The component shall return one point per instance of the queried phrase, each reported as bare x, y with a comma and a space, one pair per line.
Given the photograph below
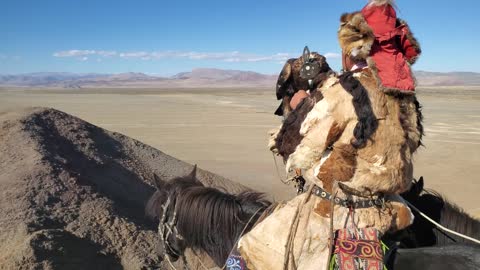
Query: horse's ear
283, 79
417, 187
158, 182
420, 184
193, 173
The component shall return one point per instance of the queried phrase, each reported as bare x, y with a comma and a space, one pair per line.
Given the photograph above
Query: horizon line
193, 69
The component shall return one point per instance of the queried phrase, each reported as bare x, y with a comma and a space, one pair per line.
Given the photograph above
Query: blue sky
167, 37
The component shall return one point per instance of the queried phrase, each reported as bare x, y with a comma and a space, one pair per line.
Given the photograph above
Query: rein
442, 227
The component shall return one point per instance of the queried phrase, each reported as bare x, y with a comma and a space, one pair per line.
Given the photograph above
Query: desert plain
225, 131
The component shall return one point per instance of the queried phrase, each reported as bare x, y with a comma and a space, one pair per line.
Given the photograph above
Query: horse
452, 257
422, 233
209, 220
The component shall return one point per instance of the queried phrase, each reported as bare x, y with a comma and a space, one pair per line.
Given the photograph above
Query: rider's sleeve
409, 44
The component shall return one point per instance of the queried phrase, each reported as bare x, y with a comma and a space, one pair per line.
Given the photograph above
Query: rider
393, 50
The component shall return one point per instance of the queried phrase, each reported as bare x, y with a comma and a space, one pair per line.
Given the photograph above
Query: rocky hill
72, 195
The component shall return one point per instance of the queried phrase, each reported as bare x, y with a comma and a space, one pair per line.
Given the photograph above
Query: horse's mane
453, 217
207, 218
210, 220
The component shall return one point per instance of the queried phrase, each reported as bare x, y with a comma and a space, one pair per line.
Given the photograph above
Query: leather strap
379, 201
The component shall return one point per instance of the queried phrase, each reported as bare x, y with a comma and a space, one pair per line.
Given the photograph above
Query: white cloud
73, 53
233, 56
80, 53
106, 53
10, 57
332, 55
134, 54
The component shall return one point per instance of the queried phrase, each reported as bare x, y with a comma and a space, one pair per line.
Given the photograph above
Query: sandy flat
225, 131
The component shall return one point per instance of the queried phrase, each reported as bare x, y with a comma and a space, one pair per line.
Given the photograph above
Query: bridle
168, 227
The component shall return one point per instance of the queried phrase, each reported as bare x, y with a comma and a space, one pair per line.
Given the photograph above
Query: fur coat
348, 132
376, 36
359, 135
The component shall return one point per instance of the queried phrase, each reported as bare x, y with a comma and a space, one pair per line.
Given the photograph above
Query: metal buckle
379, 201
349, 203
299, 183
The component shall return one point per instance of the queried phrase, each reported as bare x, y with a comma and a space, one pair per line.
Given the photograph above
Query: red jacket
392, 50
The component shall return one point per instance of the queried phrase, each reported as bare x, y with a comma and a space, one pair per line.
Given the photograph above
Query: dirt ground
225, 131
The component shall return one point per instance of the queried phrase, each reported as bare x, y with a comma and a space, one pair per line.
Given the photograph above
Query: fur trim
411, 118
419, 114
355, 36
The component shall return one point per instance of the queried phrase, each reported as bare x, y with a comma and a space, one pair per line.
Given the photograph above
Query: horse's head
416, 189
162, 206
306, 72
203, 218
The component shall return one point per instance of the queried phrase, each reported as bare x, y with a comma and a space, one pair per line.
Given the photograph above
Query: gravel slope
72, 194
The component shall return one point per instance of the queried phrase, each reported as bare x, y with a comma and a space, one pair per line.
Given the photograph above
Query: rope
170, 263
243, 231
441, 227
293, 230
201, 262
331, 232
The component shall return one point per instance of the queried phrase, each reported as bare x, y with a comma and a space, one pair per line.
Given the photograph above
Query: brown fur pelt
383, 131
367, 121
289, 136
289, 80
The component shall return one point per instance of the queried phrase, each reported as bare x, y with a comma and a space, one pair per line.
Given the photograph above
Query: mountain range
197, 78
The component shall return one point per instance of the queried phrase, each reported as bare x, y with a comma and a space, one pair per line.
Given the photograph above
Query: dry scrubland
224, 131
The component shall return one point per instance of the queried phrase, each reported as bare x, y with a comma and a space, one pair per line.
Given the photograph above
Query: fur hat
355, 36
381, 2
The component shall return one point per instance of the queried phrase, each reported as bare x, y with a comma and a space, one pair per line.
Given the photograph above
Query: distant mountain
211, 77
74, 80
221, 74
42, 78
197, 78
426, 78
